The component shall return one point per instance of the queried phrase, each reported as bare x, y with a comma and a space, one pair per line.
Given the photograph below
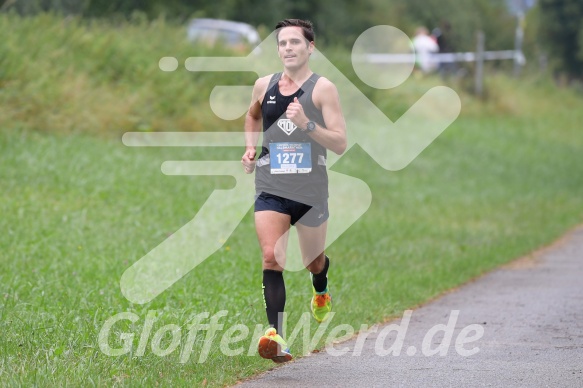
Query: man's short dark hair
306, 25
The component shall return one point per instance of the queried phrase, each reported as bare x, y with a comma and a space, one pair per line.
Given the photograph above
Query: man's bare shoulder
262, 83
324, 88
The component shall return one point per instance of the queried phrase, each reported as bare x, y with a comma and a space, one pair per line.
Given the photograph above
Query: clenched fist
295, 112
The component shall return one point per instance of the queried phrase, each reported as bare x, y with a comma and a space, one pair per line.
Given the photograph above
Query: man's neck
298, 76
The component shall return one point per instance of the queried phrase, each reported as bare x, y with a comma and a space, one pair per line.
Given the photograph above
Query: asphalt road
518, 326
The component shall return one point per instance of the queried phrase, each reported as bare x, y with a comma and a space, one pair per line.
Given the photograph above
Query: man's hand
248, 160
295, 112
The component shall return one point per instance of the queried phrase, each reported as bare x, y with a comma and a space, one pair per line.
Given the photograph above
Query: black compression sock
320, 281
274, 297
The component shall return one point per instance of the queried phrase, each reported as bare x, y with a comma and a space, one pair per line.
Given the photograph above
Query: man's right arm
253, 124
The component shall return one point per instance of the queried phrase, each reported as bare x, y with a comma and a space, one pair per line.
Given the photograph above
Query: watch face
311, 126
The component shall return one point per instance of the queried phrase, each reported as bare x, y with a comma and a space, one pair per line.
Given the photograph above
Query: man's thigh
272, 230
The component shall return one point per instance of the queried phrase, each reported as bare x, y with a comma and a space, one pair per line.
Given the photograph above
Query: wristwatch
310, 127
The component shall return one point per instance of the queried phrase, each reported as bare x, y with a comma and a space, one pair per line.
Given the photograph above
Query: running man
301, 118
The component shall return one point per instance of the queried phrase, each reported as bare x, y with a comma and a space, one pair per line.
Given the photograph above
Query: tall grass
74, 75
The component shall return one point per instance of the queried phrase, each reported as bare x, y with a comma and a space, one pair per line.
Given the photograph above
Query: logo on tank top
271, 100
286, 125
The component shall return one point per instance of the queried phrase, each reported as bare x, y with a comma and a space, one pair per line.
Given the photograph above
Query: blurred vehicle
236, 35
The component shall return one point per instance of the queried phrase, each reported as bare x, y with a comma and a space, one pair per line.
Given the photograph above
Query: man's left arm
326, 98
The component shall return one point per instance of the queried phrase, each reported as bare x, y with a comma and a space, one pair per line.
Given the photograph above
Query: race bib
290, 158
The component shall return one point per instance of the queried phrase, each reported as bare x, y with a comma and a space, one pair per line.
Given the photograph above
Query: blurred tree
464, 19
337, 22
31, 7
561, 32
103, 8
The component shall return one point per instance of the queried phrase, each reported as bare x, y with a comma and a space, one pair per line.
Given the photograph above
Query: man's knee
273, 260
316, 265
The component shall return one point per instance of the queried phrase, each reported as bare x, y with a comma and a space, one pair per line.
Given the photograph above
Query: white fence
479, 56
443, 57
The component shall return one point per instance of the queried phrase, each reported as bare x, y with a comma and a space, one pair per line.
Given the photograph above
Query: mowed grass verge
78, 210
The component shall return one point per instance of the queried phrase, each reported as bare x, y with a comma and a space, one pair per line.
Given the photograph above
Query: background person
424, 46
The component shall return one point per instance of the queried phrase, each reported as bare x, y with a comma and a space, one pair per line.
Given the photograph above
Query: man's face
294, 50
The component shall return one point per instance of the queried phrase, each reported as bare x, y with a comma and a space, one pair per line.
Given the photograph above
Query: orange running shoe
273, 347
321, 305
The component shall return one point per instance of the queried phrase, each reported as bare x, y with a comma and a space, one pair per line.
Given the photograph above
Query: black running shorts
308, 215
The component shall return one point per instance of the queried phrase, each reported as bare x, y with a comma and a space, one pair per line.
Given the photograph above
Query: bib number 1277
290, 158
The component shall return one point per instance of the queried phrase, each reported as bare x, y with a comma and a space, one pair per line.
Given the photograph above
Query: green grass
78, 209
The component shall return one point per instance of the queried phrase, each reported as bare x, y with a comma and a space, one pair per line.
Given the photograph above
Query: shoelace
322, 299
